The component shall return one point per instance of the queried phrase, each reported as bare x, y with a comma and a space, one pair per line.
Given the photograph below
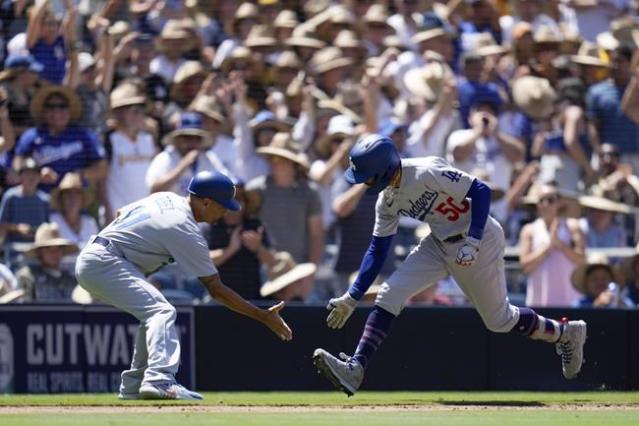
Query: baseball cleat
571, 348
167, 391
128, 396
346, 374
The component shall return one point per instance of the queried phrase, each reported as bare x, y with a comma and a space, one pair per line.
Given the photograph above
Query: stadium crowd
105, 101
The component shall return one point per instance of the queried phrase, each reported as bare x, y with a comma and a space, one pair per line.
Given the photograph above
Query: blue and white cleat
346, 374
571, 348
167, 391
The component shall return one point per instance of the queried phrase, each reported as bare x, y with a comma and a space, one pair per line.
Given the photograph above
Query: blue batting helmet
373, 156
216, 186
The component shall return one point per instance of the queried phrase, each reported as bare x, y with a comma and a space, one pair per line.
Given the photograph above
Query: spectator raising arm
34, 27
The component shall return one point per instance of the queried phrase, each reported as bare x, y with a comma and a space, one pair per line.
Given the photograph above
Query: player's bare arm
229, 298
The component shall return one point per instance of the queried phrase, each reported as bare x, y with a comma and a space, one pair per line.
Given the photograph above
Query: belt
104, 242
454, 238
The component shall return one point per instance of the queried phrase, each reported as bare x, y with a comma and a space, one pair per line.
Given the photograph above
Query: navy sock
537, 327
377, 327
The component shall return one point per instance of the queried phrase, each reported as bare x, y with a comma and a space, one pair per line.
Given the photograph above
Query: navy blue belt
454, 238
104, 242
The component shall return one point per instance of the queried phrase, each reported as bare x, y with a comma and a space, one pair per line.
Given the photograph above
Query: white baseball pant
114, 280
483, 283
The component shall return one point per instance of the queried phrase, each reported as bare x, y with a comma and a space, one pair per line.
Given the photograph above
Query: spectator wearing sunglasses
58, 144
550, 249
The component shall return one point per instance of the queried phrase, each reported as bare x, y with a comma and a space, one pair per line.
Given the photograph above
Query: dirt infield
158, 409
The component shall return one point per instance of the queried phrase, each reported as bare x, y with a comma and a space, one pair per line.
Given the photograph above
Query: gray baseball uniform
148, 234
433, 191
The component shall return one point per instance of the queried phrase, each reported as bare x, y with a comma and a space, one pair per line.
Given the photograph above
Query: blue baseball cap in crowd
28, 62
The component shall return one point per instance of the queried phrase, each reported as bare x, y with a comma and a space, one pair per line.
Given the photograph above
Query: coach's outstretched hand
341, 309
276, 323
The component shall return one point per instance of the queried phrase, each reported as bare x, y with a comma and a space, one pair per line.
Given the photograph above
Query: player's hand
276, 323
341, 309
467, 253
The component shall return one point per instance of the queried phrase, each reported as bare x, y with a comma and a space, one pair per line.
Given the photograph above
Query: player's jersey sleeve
386, 222
443, 177
190, 250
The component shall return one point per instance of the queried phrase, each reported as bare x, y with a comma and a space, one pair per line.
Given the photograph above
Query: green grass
339, 399
446, 408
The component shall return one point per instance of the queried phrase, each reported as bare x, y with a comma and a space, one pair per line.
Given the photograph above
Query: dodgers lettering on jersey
158, 230
431, 191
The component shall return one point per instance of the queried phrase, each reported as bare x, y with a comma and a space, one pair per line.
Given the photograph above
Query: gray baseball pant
114, 280
483, 283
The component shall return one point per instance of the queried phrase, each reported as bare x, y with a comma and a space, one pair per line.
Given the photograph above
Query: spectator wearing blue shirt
481, 17
604, 107
24, 207
57, 145
470, 90
49, 37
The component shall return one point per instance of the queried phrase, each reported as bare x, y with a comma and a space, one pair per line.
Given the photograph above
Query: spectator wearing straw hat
184, 155
173, 43
288, 204
566, 138
598, 222
238, 28
375, 28
600, 283
70, 201
284, 25
288, 280
24, 207
330, 68
130, 148
50, 37
46, 279
186, 84
58, 145
434, 84
305, 44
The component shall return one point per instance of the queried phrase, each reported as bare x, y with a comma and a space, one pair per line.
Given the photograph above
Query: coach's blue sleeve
371, 265
479, 193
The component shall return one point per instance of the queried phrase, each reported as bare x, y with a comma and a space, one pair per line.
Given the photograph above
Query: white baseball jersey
431, 191
158, 230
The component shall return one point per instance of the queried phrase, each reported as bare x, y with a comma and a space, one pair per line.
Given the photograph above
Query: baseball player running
464, 242
148, 234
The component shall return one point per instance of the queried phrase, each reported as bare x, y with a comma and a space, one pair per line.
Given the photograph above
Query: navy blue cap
216, 186
190, 120
23, 61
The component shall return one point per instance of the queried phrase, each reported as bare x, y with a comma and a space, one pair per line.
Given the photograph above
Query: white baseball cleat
571, 348
345, 375
167, 391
